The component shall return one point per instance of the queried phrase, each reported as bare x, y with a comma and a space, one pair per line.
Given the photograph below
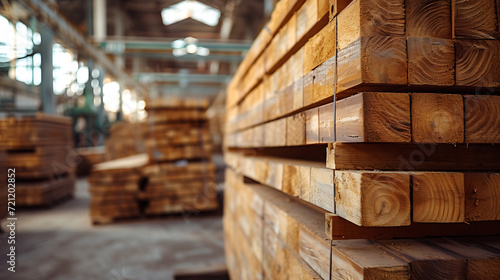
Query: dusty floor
60, 243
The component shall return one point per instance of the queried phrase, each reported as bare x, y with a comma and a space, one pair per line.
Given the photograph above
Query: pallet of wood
175, 176
374, 113
181, 175
40, 148
125, 139
114, 189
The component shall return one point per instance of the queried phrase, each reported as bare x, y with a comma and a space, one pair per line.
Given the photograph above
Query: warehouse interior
263, 139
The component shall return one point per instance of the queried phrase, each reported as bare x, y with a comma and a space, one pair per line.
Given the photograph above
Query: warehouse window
190, 9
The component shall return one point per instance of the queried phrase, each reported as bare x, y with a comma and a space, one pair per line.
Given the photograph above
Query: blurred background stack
181, 175
40, 148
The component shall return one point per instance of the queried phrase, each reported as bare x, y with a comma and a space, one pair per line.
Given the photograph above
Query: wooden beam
373, 198
477, 63
482, 196
475, 19
482, 119
428, 18
437, 118
431, 61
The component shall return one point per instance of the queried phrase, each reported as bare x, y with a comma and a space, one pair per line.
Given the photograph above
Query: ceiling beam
175, 77
66, 30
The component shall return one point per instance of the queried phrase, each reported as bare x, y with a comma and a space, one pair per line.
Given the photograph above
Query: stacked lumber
115, 188
181, 176
271, 235
378, 115
40, 148
125, 139
175, 176
88, 158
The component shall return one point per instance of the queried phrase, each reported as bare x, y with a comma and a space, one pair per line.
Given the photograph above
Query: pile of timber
181, 175
125, 139
175, 176
89, 157
40, 149
382, 117
115, 187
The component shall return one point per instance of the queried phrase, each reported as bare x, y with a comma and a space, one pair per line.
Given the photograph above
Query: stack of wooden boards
409, 137
125, 139
175, 176
40, 148
181, 175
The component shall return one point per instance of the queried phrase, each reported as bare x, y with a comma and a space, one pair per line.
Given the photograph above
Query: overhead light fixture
188, 46
190, 9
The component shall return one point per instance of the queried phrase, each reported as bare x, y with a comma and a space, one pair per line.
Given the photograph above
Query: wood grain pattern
428, 18
438, 197
426, 261
370, 18
482, 196
312, 126
437, 118
367, 117
482, 263
296, 129
323, 88
477, 63
475, 19
431, 61
411, 157
362, 259
482, 119
320, 47
373, 198
338, 228
375, 61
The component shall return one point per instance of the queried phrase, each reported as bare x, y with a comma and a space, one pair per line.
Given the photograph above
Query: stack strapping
408, 137
40, 148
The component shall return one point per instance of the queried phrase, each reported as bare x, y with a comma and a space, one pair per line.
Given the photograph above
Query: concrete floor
61, 243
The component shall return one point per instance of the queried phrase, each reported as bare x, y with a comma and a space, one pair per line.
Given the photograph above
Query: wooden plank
482, 263
428, 18
438, 197
482, 196
482, 119
475, 19
431, 61
320, 47
437, 118
367, 117
370, 18
323, 83
372, 62
312, 126
321, 189
411, 157
477, 63
426, 261
363, 259
338, 228
298, 85
296, 129
311, 12
373, 198
275, 133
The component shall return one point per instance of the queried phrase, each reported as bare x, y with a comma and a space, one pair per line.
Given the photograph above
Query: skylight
190, 9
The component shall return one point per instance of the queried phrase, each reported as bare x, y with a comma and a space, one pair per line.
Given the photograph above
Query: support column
47, 67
